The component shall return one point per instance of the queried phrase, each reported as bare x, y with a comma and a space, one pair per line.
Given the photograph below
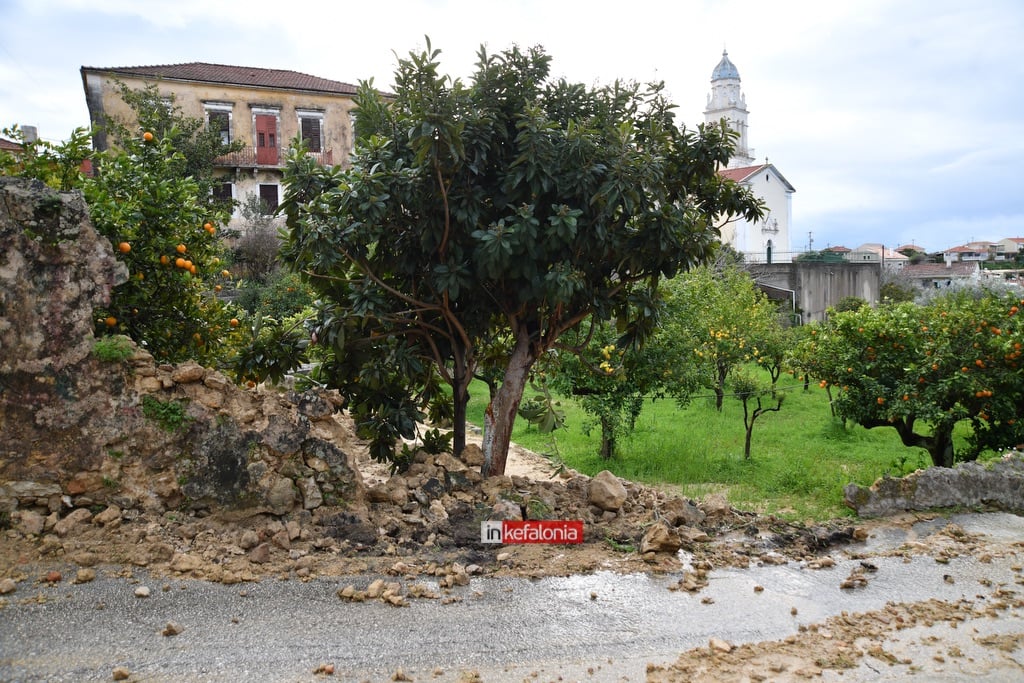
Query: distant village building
1009, 248
767, 240
872, 252
265, 109
974, 251
942, 275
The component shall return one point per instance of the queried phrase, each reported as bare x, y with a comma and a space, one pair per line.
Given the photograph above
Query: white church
768, 240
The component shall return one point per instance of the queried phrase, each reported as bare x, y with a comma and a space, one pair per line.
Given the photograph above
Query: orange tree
725, 320
164, 231
924, 369
611, 376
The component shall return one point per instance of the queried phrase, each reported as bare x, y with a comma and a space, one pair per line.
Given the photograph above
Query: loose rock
607, 491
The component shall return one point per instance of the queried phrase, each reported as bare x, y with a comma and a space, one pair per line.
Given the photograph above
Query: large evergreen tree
512, 208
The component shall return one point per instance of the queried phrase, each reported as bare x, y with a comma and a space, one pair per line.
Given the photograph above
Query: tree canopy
510, 209
923, 369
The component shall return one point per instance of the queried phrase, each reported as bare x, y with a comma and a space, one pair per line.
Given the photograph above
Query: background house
942, 275
1009, 248
767, 240
872, 252
265, 109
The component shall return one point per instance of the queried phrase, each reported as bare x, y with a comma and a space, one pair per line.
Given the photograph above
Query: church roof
745, 173
725, 69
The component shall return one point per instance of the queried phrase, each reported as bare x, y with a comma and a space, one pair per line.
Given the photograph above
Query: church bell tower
726, 101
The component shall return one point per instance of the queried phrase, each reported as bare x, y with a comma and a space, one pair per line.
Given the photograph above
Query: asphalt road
600, 627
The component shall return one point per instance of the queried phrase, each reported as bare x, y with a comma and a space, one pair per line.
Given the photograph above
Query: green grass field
801, 457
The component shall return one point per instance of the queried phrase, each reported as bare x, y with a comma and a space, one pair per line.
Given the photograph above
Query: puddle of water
998, 526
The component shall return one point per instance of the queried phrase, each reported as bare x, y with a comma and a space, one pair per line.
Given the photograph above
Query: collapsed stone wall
80, 431
998, 484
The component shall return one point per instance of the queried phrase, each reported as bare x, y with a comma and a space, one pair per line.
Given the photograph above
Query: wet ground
595, 627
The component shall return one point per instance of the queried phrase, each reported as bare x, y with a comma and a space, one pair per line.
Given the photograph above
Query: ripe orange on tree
124, 247
234, 322
181, 248
110, 321
147, 137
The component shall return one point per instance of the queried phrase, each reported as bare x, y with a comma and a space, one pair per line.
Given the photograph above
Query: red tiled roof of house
839, 249
234, 75
960, 250
911, 247
9, 145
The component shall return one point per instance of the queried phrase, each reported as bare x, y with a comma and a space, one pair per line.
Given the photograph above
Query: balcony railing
246, 158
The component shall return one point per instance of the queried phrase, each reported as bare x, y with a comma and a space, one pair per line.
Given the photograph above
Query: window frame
277, 197
312, 115
225, 109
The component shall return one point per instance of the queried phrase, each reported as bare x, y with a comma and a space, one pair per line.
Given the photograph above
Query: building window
268, 198
218, 118
265, 123
223, 193
311, 126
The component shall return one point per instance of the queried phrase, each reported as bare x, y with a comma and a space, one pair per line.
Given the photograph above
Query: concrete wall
816, 286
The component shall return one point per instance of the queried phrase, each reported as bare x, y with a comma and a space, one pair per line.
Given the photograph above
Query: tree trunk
723, 372
501, 412
749, 424
460, 400
607, 439
941, 448
939, 445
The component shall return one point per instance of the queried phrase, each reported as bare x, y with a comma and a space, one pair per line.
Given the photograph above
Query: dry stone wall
80, 431
998, 484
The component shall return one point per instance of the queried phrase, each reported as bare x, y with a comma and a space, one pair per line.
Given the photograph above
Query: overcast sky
896, 121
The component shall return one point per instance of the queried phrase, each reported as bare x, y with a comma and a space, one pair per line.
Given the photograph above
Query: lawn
801, 457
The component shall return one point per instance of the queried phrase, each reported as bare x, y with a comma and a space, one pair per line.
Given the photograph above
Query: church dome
725, 69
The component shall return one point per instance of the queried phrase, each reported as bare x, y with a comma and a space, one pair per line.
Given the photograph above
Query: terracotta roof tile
9, 145
925, 271
234, 75
740, 174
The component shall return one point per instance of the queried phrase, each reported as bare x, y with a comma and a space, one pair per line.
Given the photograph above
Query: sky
897, 121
